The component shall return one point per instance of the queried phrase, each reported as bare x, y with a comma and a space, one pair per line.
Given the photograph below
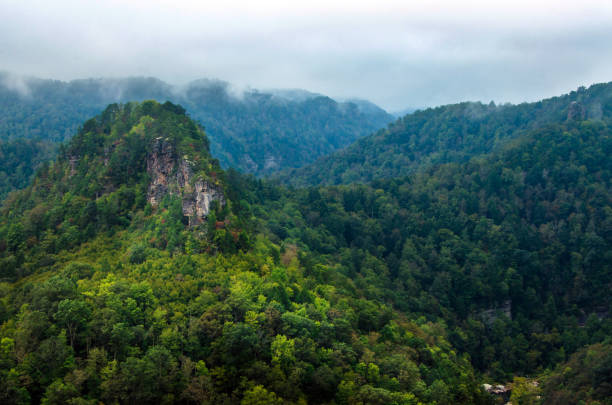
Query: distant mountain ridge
451, 133
255, 131
18, 161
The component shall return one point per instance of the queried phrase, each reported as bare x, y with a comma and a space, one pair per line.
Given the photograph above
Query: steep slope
129, 156
257, 132
511, 250
133, 274
452, 133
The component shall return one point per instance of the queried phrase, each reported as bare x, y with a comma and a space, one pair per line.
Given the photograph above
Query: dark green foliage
53, 110
18, 161
255, 132
404, 291
452, 133
264, 133
109, 299
585, 378
511, 250
98, 181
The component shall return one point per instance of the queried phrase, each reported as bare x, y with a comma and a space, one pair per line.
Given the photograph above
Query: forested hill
256, 132
136, 271
512, 250
452, 133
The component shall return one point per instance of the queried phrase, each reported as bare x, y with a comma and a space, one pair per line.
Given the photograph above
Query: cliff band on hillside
174, 176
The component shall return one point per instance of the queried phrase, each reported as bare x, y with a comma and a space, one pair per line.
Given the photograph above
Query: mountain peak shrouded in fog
259, 131
397, 54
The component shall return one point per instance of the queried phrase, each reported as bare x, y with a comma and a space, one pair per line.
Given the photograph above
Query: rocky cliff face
173, 175
576, 112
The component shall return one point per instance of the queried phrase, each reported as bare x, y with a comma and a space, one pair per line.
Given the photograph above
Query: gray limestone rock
173, 175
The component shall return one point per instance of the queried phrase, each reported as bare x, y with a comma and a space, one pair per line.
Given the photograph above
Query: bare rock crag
173, 175
576, 111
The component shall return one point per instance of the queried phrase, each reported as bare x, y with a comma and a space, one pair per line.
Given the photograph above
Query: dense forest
451, 133
256, 132
18, 161
512, 251
494, 268
109, 298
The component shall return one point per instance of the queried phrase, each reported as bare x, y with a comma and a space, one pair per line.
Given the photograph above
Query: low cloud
16, 83
395, 54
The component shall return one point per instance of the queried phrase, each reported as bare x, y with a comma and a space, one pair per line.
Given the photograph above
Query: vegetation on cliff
407, 290
108, 298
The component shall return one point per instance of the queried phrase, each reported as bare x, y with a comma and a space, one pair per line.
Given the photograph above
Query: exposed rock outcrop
73, 161
501, 391
160, 165
271, 162
490, 315
197, 203
173, 175
576, 112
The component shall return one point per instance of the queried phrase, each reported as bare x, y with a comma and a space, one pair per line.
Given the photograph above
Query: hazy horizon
17, 82
395, 55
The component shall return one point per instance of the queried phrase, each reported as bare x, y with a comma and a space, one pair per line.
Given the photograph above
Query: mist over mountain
405, 111
256, 131
278, 238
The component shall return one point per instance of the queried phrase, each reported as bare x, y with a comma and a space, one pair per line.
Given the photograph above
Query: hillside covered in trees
451, 133
136, 270
256, 132
116, 290
511, 250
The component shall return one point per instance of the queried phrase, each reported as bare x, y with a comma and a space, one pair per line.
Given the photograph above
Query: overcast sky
397, 54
